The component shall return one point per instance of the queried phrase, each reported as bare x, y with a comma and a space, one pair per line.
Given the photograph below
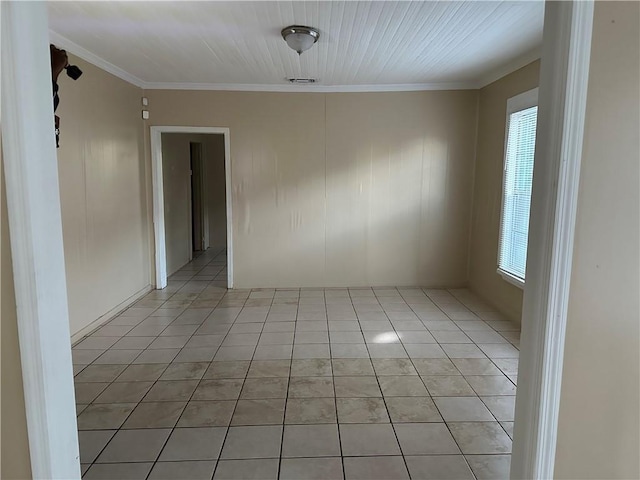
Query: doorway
191, 196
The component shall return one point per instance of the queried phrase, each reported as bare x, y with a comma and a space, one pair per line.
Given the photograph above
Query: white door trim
35, 224
158, 197
561, 115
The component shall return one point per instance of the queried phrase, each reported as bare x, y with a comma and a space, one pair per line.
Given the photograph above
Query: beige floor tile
425, 439
462, 409
194, 444
207, 413
124, 392
259, 412
481, 438
439, 467
502, 407
311, 441
257, 469
435, 366
142, 373
171, 391
412, 409
311, 387
448, 386
375, 468
490, 467
259, 388
105, 416
402, 386
328, 468
352, 366
491, 384
372, 439
193, 470
393, 366
233, 369
87, 392
269, 368
135, 446
91, 443
311, 351
311, 367
476, 366
110, 471
361, 410
155, 415
310, 411
357, 386
252, 442
185, 371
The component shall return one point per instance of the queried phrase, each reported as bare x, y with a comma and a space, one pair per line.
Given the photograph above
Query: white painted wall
102, 193
598, 435
342, 189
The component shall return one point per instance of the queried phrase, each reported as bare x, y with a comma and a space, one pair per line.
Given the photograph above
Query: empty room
320, 240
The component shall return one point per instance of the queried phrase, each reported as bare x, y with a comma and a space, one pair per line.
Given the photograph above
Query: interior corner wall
598, 434
14, 442
487, 191
342, 189
102, 174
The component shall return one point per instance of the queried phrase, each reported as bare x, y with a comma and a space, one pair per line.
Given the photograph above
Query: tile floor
198, 382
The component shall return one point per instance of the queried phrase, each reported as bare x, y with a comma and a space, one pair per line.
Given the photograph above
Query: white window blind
516, 200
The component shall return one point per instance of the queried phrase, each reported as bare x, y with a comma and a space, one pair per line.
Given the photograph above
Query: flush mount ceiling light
300, 38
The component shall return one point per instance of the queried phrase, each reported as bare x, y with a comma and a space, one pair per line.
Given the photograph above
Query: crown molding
93, 59
504, 70
245, 87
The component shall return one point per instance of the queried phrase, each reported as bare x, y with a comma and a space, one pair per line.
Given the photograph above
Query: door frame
35, 230
564, 76
158, 197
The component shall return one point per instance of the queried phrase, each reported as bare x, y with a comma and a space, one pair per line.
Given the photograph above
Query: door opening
191, 193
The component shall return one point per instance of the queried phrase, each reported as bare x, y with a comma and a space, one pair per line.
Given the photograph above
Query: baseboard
100, 321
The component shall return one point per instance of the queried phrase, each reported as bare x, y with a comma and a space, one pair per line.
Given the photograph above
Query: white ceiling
363, 45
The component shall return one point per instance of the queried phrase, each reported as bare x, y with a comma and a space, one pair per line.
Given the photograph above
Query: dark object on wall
59, 62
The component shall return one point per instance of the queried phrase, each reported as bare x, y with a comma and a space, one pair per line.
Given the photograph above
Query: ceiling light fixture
300, 38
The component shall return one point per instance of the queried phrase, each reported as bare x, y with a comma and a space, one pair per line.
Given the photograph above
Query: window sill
512, 279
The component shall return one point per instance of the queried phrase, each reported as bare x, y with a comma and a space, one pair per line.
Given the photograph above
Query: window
520, 142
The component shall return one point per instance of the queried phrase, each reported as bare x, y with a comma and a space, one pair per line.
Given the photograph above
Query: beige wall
215, 190
102, 192
487, 192
177, 194
14, 453
598, 432
342, 189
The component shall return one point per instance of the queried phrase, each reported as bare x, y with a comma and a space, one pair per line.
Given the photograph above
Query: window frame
515, 104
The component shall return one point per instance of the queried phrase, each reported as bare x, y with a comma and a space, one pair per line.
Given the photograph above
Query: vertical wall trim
35, 225
563, 96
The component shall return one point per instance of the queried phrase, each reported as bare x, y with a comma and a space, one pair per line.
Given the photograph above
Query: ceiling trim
245, 87
92, 58
504, 70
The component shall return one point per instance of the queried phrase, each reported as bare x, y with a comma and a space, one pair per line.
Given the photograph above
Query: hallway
197, 382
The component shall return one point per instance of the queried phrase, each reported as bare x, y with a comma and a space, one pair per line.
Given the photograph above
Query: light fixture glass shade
300, 38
